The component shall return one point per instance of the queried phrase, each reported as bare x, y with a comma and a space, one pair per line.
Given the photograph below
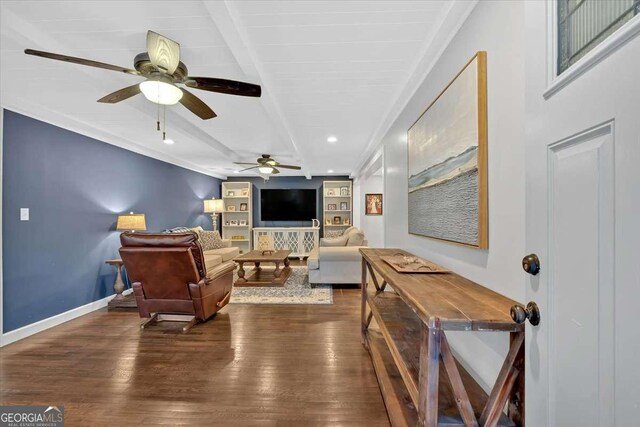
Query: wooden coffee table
258, 276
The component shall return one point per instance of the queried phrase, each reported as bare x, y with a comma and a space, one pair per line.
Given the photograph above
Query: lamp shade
132, 222
213, 206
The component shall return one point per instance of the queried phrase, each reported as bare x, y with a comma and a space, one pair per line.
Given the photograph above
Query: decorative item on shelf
373, 204
231, 193
214, 207
447, 184
131, 222
327, 221
337, 220
265, 243
331, 192
243, 222
237, 237
344, 206
233, 222
346, 221
243, 207
244, 192
315, 223
231, 208
227, 223
344, 191
332, 207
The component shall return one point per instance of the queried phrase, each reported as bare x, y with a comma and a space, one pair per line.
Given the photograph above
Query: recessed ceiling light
332, 139
168, 141
330, 171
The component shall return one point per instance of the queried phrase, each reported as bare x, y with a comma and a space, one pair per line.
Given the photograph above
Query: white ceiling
326, 68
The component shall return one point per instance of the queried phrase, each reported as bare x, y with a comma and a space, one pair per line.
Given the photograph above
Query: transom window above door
583, 24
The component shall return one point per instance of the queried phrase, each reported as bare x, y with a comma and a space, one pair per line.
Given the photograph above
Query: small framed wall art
243, 207
373, 204
332, 207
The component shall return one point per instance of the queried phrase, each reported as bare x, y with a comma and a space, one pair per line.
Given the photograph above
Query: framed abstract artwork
373, 204
447, 161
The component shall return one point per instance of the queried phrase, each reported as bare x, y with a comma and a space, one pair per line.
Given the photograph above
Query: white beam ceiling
327, 68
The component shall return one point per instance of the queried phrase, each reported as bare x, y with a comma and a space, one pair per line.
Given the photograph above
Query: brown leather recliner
169, 276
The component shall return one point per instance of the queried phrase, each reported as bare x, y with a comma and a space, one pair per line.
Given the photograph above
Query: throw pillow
333, 233
348, 231
356, 239
197, 229
334, 241
177, 230
211, 240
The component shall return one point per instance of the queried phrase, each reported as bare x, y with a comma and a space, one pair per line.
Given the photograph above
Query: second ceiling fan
266, 165
163, 70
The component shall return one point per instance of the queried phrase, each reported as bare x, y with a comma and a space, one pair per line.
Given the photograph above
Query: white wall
497, 28
372, 225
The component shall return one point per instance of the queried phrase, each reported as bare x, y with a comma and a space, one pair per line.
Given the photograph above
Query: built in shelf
235, 197
337, 225
235, 226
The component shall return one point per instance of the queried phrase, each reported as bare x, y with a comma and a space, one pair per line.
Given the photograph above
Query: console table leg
428, 377
363, 298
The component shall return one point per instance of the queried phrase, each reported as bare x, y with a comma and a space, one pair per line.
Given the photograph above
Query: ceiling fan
266, 165
163, 70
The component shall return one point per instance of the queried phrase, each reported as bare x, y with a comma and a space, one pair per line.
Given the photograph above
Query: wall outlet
24, 214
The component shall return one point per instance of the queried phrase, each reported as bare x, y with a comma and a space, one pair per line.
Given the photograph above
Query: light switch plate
24, 214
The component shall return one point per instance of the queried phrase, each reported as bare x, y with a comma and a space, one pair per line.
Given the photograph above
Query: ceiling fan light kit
161, 92
162, 68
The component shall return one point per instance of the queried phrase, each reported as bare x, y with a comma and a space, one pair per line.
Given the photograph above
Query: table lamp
131, 222
214, 207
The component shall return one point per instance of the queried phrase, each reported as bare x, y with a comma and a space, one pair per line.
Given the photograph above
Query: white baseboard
56, 320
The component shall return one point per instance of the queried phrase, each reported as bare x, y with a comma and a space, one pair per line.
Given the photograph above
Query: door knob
531, 264
519, 314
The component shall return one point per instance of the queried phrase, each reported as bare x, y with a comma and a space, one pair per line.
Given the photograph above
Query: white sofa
331, 264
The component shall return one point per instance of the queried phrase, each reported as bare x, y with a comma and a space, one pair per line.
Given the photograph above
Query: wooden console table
410, 343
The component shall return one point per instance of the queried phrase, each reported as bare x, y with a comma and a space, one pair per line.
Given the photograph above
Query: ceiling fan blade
242, 163
230, 87
80, 61
288, 166
253, 167
275, 171
121, 95
164, 53
196, 105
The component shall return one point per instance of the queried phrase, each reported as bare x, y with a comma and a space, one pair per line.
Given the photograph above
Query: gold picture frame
447, 160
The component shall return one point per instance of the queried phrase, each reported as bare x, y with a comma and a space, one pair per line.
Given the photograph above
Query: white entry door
583, 222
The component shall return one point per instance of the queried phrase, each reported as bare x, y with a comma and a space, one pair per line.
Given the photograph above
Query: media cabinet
299, 240
421, 381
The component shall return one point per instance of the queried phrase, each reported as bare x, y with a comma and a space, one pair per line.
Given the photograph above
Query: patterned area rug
296, 290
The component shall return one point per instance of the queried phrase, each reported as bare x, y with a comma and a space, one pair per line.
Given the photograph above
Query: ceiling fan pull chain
158, 118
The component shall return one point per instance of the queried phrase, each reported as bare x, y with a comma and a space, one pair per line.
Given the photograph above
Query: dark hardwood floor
253, 365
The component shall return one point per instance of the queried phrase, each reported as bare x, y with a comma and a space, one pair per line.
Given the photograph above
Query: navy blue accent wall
285, 182
75, 187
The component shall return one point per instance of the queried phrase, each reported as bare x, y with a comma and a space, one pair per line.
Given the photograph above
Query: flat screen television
287, 205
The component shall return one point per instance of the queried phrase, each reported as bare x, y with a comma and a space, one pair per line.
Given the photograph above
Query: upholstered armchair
170, 277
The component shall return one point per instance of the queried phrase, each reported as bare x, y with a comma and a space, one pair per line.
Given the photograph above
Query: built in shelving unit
337, 205
236, 223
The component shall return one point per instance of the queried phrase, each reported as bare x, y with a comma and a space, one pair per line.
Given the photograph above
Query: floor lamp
214, 207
